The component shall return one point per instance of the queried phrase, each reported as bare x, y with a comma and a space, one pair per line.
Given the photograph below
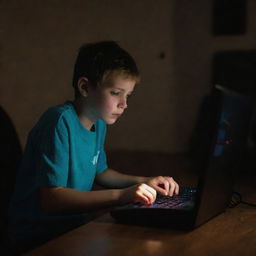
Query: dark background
182, 49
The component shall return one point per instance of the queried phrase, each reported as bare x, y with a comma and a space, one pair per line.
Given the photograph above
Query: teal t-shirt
59, 152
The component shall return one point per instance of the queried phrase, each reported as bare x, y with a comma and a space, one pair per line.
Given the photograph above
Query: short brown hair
95, 60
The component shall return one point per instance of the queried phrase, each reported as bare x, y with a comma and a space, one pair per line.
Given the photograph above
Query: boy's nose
123, 103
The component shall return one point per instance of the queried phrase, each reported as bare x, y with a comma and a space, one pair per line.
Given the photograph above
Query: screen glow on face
112, 98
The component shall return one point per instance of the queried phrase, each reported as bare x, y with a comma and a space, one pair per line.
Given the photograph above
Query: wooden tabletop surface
230, 233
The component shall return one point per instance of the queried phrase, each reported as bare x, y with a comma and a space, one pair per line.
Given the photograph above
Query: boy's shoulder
60, 109
56, 113
64, 115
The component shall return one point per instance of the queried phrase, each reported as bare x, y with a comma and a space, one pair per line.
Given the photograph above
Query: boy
65, 154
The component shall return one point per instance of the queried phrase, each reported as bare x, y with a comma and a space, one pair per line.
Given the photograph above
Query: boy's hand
164, 185
138, 193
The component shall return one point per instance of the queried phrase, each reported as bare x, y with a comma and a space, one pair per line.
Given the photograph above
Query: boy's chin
110, 121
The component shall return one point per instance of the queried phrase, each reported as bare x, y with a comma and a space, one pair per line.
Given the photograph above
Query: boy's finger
163, 187
147, 193
177, 188
141, 198
166, 186
172, 189
159, 189
152, 193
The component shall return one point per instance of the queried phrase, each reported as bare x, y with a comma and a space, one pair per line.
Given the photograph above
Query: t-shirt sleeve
53, 161
102, 160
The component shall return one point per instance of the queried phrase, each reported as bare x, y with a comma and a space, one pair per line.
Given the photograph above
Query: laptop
220, 145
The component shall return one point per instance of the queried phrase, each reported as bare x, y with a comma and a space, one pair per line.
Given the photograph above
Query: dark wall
172, 41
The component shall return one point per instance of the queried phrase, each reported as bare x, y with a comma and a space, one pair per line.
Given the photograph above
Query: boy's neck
80, 108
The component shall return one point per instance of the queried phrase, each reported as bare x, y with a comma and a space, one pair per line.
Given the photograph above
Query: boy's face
109, 99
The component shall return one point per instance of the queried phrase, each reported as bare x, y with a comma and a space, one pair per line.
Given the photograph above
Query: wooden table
231, 233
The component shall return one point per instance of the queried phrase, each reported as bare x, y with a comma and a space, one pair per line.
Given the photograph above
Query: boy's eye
115, 93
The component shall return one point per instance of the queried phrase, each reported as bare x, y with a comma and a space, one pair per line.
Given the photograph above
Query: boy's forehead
119, 81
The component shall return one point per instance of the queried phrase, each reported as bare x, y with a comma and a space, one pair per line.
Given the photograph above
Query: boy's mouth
116, 115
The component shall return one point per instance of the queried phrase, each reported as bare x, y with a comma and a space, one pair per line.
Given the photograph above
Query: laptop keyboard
185, 196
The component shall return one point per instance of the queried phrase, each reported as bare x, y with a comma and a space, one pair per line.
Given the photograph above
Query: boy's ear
83, 86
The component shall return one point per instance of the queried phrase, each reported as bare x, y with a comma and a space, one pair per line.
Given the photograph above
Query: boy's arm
61, 200
112, 179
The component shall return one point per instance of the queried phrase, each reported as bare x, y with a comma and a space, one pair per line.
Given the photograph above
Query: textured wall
171, 41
